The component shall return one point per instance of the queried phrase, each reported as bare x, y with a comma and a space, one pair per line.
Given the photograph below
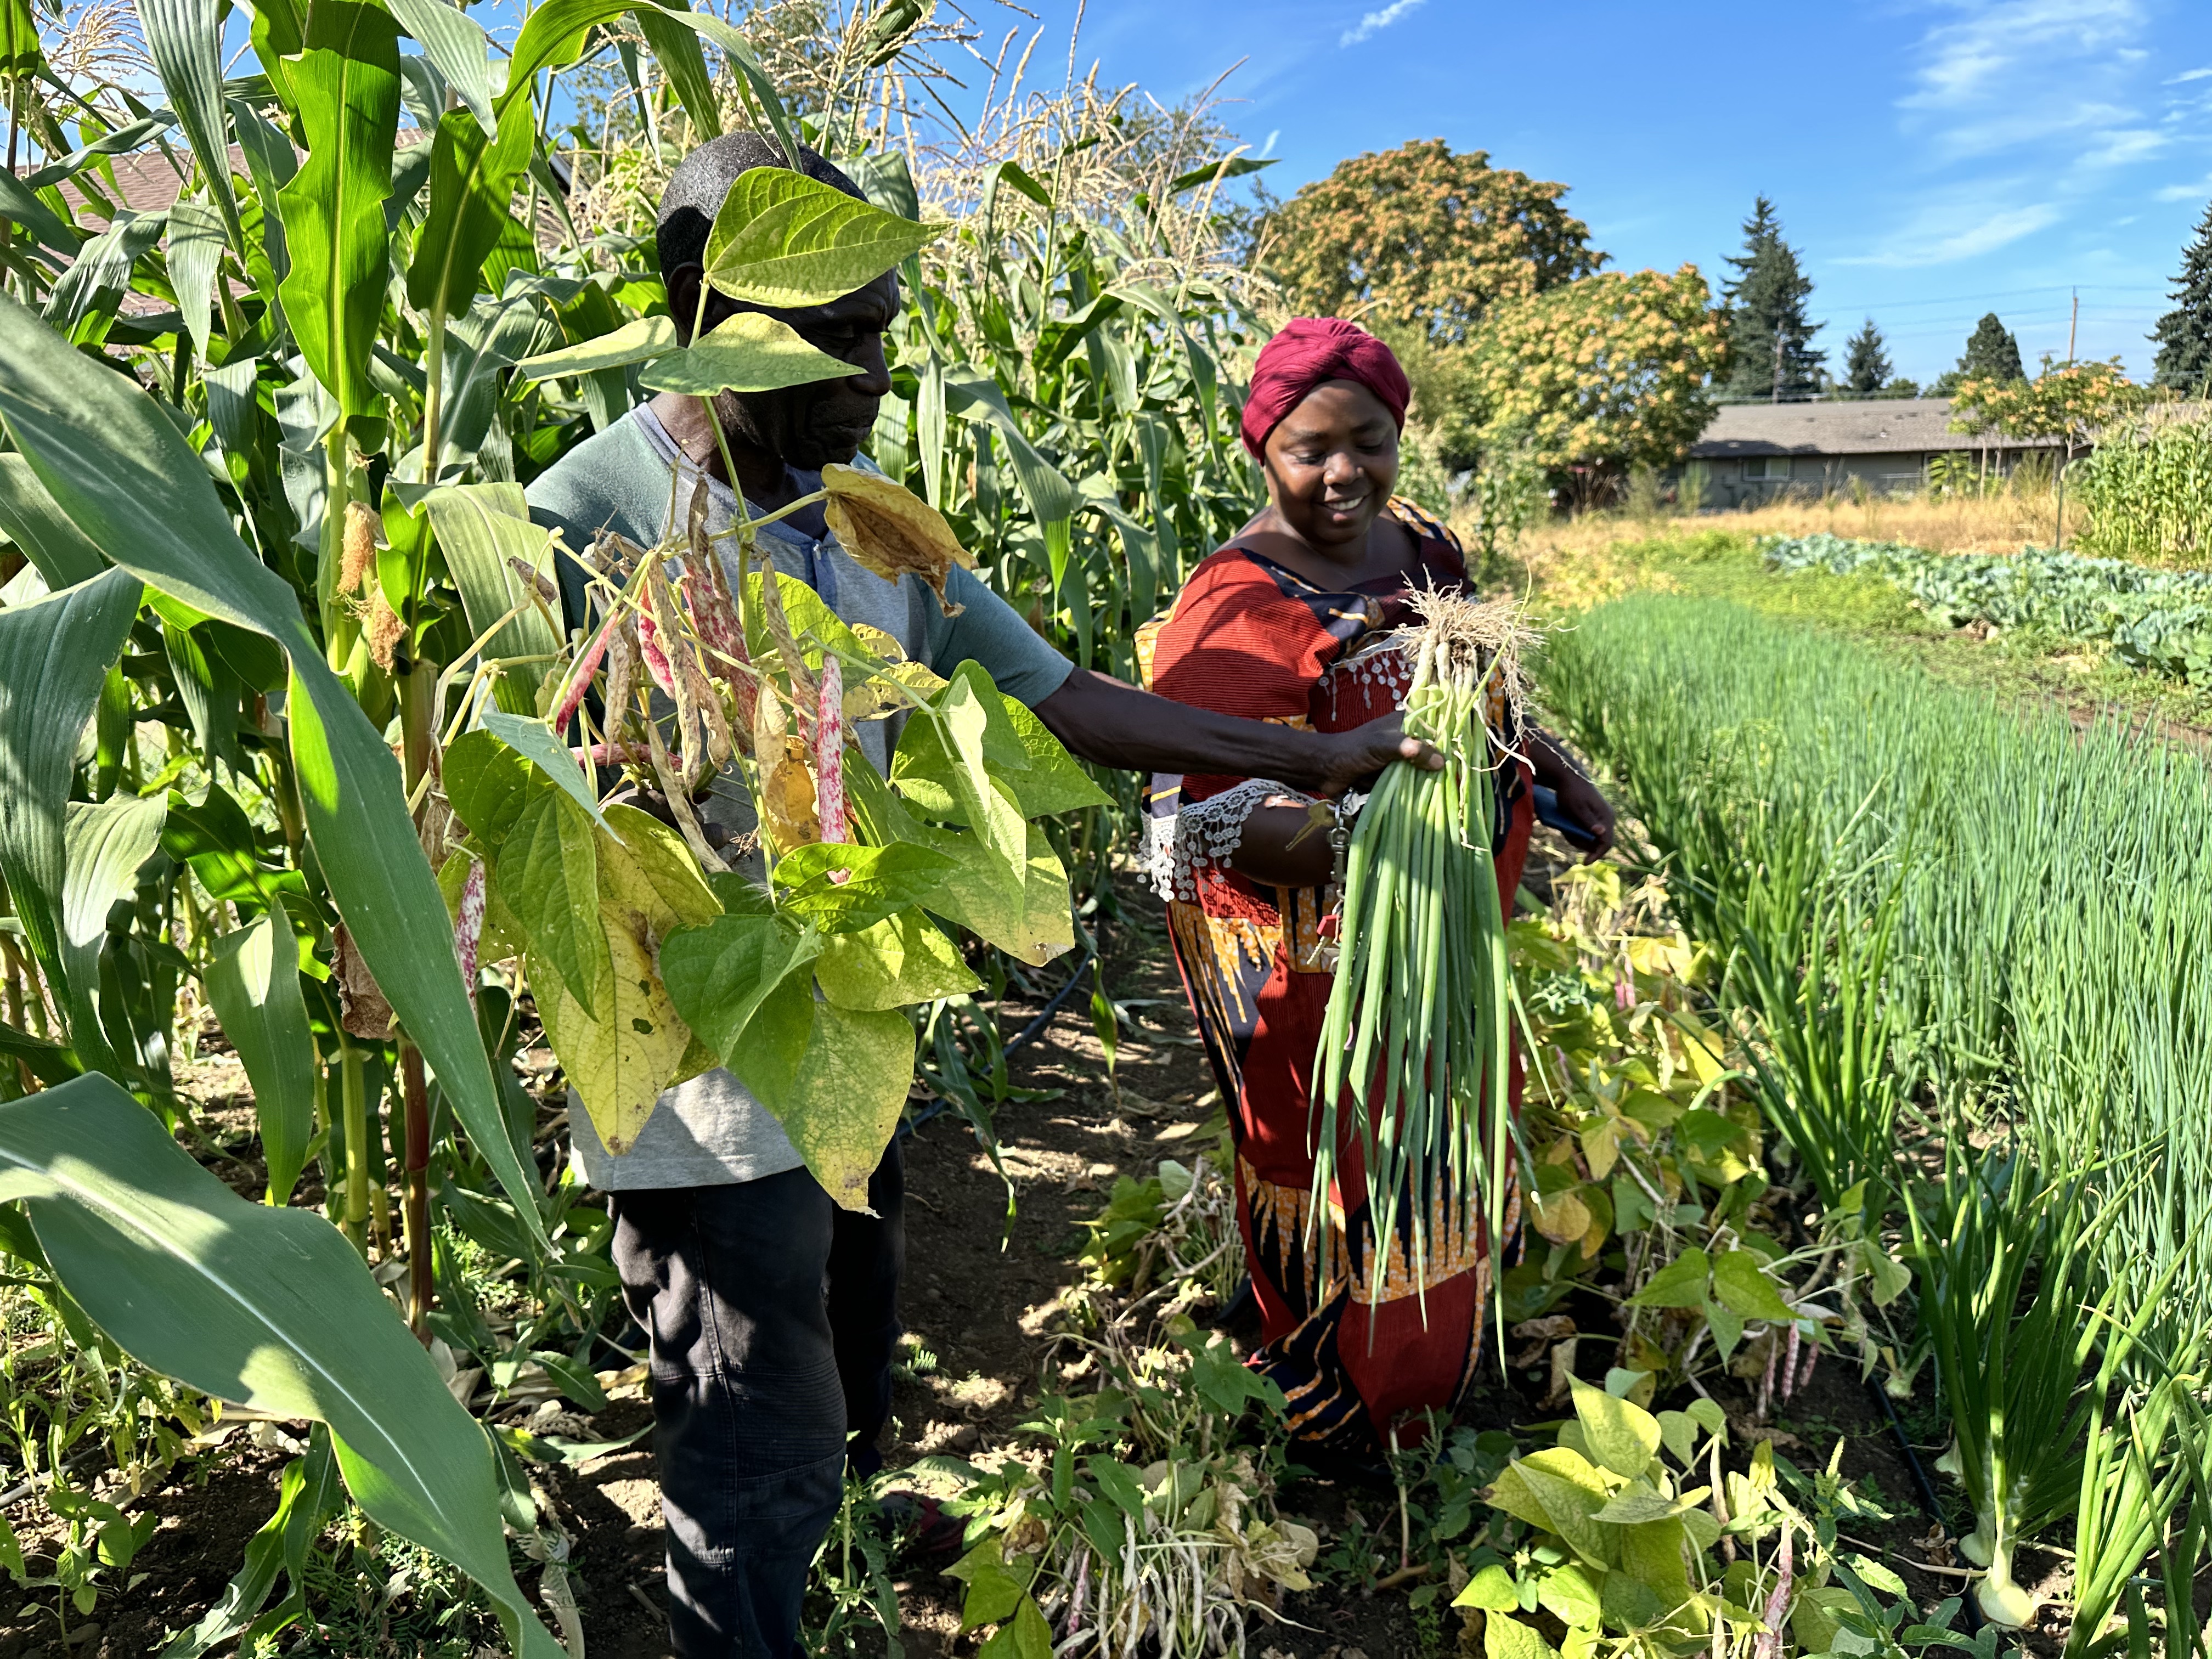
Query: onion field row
2044, 889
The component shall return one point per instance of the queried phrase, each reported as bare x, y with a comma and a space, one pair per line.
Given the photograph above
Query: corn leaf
481, 529
196, 245
106, 842
456, 44
20, 52
782, 239
54, 653
676, 48
253, 985
472, 181
348, 83
120, 469
183, 38
268, 1308
34, 524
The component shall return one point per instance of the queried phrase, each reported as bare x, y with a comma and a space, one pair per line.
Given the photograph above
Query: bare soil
981, 1296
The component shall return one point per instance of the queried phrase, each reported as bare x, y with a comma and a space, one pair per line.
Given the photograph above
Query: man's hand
1366, 749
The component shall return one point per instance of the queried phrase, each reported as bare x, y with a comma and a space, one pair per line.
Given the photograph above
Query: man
772, 1314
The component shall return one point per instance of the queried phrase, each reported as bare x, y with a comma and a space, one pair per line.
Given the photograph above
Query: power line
1977, 299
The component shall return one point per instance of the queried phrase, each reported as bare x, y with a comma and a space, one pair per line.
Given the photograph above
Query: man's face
810, 426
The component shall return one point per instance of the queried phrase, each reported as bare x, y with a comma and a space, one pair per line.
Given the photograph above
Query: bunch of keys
1336, 818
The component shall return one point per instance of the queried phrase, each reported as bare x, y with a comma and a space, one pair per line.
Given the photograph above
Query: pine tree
2184, 334
1992, 353
1765, 303
1866, 364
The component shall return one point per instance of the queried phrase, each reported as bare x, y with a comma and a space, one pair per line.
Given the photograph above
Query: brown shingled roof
1873, 426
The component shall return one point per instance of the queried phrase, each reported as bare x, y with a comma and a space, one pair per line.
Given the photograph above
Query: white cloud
1376, 21
1935, 236
1268, 149
2003, 73
2114, 150
2189, 75
2187, 192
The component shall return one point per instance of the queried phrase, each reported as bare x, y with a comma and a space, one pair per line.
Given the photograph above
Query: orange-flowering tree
1419, 238
2067, 400
1609, 372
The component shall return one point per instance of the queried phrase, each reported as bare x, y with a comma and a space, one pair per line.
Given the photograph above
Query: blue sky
1931, 158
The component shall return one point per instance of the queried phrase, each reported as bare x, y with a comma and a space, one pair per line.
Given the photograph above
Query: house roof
1874, 426
148, 181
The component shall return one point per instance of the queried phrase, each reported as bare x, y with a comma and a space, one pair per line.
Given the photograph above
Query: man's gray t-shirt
710, 1131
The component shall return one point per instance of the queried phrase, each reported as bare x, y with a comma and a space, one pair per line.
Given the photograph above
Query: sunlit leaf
841, 889
481, 529
635, 342
619, 1060
185, 40
718, 975
535, 742
268, 1308
253, 985
472, 181
747, 353
782, 239
456, 44
348, 82
548, 879
902, 960
121, 472
840, 1102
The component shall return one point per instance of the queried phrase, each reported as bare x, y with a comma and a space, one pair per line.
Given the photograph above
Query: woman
1286, 623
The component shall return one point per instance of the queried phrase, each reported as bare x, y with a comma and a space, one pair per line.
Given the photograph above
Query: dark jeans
773, 1315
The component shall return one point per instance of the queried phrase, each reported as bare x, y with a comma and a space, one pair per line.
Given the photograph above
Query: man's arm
1114, 724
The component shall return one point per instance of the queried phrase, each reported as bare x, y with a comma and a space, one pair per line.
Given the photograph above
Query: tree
1418, 237
2068, 401
1992, 354
1866, 364
1766, 306
2184, 333
1609, 372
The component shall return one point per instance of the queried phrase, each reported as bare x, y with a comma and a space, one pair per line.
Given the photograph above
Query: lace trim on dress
1193, 846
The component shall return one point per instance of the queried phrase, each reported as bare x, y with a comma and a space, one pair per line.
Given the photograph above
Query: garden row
1972, 940
2152, 619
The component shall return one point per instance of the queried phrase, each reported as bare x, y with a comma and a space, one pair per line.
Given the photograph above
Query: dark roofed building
1755, 453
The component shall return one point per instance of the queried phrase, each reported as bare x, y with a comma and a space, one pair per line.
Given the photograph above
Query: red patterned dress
1247, 636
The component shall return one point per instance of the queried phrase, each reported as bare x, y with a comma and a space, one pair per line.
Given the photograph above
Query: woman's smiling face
1331, 463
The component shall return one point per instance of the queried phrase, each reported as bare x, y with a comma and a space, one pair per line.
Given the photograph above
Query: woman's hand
1580, 800
1366, 749
1578, 797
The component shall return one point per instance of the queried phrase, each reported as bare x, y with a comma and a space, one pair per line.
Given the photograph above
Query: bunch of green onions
1415, 1044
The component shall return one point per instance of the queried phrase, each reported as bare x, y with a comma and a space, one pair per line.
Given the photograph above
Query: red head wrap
1307, 351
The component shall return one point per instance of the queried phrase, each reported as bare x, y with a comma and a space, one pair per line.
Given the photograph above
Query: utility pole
1777, 363
2071, 326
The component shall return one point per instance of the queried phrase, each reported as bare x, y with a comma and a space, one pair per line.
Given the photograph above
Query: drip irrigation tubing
1928, 1500
1027, 1035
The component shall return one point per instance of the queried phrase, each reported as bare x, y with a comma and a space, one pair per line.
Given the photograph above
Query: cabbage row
2154, 619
